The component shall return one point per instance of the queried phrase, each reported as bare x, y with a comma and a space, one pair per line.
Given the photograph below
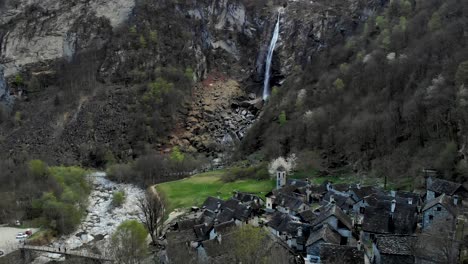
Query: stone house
394, 249
389, 217
436, 187
318, 237
340, 254
289, 229
337, 220
443, 208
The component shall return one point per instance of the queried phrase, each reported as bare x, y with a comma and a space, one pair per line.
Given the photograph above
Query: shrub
282, 118
121, 172
19, 80
177, 155
143, 43
435, 22
118, 198
38, 169
128, 243
339, 84
257, 172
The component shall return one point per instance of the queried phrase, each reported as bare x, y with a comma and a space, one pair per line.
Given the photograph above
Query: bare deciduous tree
152, 207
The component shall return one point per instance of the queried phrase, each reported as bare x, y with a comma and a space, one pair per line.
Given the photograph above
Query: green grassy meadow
194, 190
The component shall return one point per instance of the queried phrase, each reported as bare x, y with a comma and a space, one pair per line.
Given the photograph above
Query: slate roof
396, 245
297, 183
406, 195
226, 214
308, 216
247, 197
202, 231
336, 254
336, 211
364, 191
325, 234
225, 227
181, 236
211, 203
443, 200
379, 219
342, 200
241, 211
285, 223
187, 224
444, 186
318, 189
375, 199
290, 202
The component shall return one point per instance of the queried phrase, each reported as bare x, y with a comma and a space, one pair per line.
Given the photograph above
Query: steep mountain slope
390, 100
108, 80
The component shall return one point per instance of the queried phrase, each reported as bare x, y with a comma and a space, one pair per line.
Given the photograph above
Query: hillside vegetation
389, 100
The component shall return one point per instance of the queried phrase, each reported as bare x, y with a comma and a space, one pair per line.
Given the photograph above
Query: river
102, 218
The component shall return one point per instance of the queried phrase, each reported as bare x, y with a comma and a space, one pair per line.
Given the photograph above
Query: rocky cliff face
133, 40
42, 31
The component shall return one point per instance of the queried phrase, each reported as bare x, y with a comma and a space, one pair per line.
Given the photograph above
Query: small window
372, 236
431, 217
439, 208
362, 210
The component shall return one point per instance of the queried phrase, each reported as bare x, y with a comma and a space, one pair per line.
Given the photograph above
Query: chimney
392, 207
410, 200
428, 181
455, 200
219, 204
359, 245
358, 186
329, 186
392, 193
299, 232
332, 199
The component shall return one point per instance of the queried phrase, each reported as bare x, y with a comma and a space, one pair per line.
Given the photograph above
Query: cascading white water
274, 39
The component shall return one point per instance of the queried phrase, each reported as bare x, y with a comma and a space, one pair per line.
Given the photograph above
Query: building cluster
337, 223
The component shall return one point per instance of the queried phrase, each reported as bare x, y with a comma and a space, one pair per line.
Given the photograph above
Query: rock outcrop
43, 31
219, 116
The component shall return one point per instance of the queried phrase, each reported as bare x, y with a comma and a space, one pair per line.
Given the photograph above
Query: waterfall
274, 39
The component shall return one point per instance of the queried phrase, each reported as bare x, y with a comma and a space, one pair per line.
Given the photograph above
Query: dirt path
8, 242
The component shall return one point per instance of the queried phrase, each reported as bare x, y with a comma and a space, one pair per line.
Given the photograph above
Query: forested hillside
391, 99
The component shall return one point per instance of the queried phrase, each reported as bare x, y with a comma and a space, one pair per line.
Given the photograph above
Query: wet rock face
5, 98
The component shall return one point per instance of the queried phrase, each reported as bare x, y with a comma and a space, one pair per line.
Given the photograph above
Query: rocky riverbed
102, 218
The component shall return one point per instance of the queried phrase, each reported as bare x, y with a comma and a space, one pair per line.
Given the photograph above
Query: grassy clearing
194, 190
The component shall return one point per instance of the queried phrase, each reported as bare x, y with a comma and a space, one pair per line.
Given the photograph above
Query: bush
62, 207
128, 243
177, 155
257, 172
282, 118
118, 198
121, 173
38, 169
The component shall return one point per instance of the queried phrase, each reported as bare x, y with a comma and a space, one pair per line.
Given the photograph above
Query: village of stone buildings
335, 223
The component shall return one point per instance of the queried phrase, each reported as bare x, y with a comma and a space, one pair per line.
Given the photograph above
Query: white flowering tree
288, 163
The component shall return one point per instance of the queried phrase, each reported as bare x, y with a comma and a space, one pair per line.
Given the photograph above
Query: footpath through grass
194, 190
